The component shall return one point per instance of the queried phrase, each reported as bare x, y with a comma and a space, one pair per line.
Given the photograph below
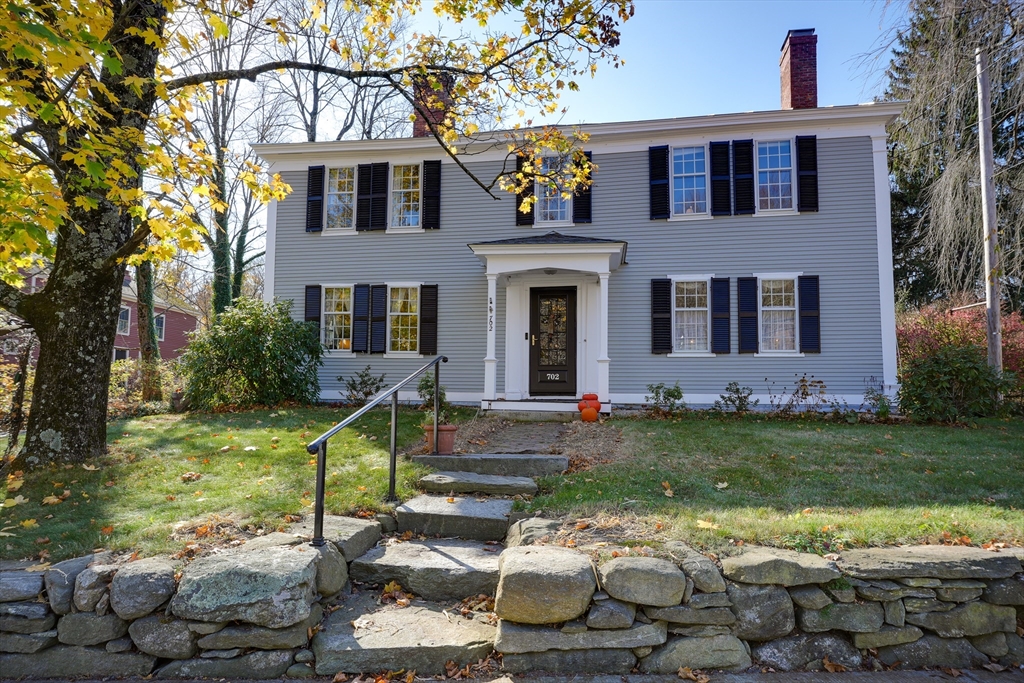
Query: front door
553, 341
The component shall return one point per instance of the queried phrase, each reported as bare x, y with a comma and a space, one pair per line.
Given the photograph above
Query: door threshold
539, 405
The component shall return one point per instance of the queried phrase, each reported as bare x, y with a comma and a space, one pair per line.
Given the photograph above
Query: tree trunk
220, 250
148, 343
16, 420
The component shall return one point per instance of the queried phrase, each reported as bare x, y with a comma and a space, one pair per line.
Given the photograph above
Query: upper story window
124, 320
338, 318
160, 322
341, 191
552, 206
774, 175
778, 315
403, 319
689, 181
405, 196
691, 315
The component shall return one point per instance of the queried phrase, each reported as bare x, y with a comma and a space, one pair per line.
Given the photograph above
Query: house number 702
490, 315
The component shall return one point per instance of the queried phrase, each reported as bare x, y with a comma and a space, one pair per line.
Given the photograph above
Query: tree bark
16, 419
149, 348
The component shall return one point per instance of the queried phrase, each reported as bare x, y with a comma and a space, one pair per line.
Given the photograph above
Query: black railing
318, 445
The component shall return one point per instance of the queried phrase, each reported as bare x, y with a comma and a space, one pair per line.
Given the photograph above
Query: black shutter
721, 187
581, 203
378, 318
364, 178
810, 315
746, 288
431, 195
361, 319
720, 341
657, 162
315, 199
428, 320
524, 218
743, 176
313, 304
661, 316
807, 172
379, 197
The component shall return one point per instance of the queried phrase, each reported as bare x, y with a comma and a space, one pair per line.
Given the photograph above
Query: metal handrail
319, 444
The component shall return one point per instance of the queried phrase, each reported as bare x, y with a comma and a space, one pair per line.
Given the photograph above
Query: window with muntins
124, 320
405, 196
337, 320
689, 181
403, 320
341, 198
691, 315
778, 315
552, 205
774, 175
160, 322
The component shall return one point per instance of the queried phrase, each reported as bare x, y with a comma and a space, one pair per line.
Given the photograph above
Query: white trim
402, 354
163, 328
785, 353
537, 222
270, 252
791, 211
886, 285
567, 405
706, 214
686, 217
400, 229
336, 353
129, 330
388, 353
328, 231
491, 359
691, 354
677, 353
854, 401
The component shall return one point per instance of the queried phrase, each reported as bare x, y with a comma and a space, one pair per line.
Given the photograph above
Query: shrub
362, 386
124, 397
425, 390
253, 354
736, 398
952, 383
931, 328
665, 400
876, 399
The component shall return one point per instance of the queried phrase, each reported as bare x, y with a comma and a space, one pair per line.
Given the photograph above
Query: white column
886, 286
602, 358
491, 360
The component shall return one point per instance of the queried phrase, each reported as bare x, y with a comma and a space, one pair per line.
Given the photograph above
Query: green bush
425, 390
124, 398
664, 401
950, 384
254, 354
362, 386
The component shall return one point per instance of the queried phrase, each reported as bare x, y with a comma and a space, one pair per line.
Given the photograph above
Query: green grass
136, 496
809, 485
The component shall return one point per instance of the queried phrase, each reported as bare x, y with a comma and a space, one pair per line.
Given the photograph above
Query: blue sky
694, 57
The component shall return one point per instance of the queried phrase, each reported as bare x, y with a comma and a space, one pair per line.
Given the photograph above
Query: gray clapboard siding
838, 244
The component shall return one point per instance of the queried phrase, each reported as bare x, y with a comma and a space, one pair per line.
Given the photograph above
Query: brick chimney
799, 69
435, 102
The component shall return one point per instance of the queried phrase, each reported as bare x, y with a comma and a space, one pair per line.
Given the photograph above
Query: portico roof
551, 250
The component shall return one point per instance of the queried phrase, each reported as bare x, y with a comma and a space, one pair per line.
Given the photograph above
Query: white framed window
341, 199
9, 346
689, 181
691, 314
404, 319
552, 205
777, 313
124, 320
405, 196
122, 354
337, 318
160, 322
775, 175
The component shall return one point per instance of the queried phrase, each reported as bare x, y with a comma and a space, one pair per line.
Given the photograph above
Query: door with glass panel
552, 340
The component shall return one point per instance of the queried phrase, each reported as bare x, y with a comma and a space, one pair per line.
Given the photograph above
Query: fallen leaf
832, 667
107, 530
29, 524
11, 502
889, 436
669, 493
15, 484
722, 485
806, 511
42, 567
52, 500
191, 476
687, 674
90, 468
451, 500
665, 485
360, 488
955, 673
109, 483
339, 678
240, 464
582, 525
249, 448
993, 667
704, 524
171, 498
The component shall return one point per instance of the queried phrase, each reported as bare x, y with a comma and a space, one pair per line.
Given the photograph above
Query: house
173, 323
750, 247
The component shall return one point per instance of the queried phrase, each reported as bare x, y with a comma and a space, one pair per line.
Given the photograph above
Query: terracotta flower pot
445, 438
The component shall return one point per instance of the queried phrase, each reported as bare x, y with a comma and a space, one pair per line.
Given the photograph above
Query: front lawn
214, 475
804, 484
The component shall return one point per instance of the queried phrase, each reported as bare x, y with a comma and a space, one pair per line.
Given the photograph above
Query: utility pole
988, 215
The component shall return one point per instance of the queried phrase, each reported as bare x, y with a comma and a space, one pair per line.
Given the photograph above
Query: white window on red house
124, 320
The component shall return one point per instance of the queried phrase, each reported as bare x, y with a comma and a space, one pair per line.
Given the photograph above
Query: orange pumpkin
582, 405
589, 414
589, 397
596, 405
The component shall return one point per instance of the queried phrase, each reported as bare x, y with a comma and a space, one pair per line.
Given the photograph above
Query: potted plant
445, 429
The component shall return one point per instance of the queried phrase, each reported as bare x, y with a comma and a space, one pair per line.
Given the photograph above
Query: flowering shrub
923, 333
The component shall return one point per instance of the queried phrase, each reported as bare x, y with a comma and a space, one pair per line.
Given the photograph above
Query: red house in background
173, 323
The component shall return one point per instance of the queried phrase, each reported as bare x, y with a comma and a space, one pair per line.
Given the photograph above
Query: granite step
471, 482
504, 464
434, 570
478, 520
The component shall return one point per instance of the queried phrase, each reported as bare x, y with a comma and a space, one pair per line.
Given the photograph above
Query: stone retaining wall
249, 612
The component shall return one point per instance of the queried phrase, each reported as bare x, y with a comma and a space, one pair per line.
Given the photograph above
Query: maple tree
100, 169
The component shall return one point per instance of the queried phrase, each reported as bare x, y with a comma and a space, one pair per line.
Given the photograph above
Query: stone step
478, 520
361, 637
471, 482
504, 464
433, 570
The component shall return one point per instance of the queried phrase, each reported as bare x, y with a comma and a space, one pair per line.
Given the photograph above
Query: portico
555, 319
